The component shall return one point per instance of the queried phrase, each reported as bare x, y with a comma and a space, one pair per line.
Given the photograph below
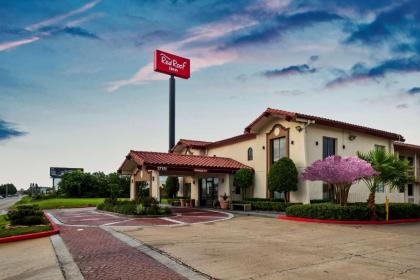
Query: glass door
209, 190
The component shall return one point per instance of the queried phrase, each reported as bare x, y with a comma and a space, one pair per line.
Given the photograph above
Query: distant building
35, 189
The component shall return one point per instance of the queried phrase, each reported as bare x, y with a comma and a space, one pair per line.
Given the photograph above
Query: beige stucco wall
239, 152
363, 143
304, 152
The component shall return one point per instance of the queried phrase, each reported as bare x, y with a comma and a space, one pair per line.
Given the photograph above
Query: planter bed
134, 216
52, 229
347, 222
353, 213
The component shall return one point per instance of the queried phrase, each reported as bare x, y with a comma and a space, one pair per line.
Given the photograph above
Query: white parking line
172, 220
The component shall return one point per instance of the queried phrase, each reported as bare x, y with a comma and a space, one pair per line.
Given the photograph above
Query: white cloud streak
60, 18
51, 21
201, 57
14, 44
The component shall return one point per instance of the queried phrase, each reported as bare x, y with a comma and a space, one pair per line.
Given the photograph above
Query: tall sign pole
171, 112
175, 66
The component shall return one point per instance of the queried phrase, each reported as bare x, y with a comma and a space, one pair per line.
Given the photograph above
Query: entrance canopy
175, 163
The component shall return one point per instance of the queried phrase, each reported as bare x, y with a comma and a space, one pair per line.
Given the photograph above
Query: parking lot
264, 248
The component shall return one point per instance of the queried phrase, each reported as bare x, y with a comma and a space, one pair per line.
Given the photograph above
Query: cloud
77, 31
281, 24
313, 58
51, 26
201, 57
13, 44
402, 106
414, 91
361, 72
60, 18
397, 26
290, 70
7, 131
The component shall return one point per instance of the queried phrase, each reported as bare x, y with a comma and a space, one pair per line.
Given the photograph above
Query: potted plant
224, 201
182, 202
188, 202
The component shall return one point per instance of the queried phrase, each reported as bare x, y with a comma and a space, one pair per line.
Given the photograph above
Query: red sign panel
172, 64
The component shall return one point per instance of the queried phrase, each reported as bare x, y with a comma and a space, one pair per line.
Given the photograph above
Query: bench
245, 206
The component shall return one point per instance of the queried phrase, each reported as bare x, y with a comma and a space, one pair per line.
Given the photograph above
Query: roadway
5, 203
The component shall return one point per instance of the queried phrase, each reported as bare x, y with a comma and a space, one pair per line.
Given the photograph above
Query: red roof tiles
232, 140
324, 121
154, 159
405, 146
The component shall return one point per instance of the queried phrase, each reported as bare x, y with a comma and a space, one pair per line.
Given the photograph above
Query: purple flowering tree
339, 172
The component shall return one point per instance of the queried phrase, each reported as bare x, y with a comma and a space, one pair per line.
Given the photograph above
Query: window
380, 148
410, 190
410, 161
278, 149
328, 147
250, 154
381, 188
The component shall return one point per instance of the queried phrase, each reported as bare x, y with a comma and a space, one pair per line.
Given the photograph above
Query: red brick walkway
101, 256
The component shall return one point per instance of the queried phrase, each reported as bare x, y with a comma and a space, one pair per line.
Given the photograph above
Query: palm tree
393, 172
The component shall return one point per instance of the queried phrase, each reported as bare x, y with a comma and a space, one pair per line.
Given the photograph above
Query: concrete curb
68, 267
26, 236
163, 258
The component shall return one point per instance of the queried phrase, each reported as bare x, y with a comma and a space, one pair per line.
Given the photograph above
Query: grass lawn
4, 232
53, 203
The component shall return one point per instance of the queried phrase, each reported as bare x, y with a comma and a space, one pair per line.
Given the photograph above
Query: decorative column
194, 190
155, 185
133, 188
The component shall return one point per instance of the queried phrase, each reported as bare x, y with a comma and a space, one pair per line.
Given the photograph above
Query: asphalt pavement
5, 203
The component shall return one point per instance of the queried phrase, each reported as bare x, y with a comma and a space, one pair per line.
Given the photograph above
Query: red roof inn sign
172, 64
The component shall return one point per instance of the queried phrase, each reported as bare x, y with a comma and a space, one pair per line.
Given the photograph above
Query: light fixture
299, 128
316, 143
352, 137
223, 180
263, 147
292, 142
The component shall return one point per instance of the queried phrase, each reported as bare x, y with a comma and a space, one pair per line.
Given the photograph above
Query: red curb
20, 237
308, 220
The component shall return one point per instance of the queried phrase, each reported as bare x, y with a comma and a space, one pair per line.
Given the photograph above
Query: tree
11, 189
283, 176
392, 172
243, 178
339, 172
171, 186
98, 184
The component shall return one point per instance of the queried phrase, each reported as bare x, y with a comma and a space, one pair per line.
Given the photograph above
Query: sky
77, 87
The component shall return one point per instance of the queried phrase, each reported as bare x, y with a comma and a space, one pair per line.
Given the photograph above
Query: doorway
209, 191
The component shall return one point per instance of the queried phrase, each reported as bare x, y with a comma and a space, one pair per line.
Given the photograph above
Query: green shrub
146, 206
263, 205
265, 199
399, 211
328, 211
353, 211
315, 201
26, 215
283, 176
